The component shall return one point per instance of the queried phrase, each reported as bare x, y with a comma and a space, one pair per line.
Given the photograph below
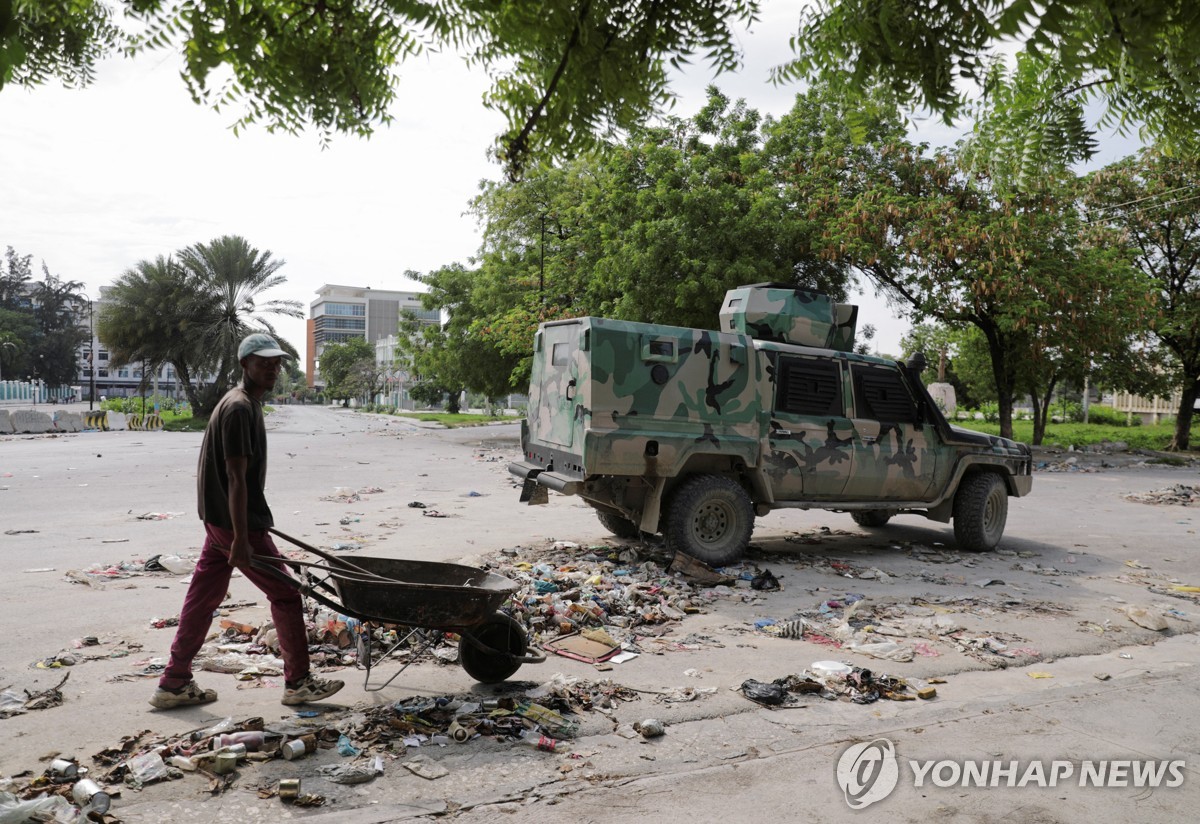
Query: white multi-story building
343, 312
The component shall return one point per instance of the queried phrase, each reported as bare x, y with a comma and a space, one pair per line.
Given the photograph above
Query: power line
1147, 197
1152, 206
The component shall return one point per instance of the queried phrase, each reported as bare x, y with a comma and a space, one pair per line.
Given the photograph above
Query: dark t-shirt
236, 429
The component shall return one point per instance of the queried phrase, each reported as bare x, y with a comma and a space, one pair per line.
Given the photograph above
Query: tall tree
193, 310
347, 368
1137, 59
1151, 199
149, 316
14, 279
54, 356
233, 275
565, 73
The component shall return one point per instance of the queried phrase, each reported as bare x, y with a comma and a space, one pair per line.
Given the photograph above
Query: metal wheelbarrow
429, 598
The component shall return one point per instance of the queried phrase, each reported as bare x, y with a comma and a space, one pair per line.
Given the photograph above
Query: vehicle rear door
554, 384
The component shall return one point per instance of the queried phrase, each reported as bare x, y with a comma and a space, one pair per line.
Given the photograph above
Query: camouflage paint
785, 315
625, 406
689, 391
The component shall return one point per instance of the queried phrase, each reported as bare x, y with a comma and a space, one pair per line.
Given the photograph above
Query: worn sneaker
311, 688
187, 695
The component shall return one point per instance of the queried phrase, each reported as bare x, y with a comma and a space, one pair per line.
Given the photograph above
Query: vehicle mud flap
533, 493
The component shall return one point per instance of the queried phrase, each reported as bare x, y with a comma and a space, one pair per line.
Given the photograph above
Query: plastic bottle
538, 741
253, 739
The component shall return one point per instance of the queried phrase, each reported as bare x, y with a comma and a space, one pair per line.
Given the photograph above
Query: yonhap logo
868, 772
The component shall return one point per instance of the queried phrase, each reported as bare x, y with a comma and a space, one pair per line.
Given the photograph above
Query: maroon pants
210, 582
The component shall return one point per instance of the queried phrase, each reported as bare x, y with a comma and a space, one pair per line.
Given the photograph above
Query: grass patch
454, 421
1169, 460
184, 423
1156, 437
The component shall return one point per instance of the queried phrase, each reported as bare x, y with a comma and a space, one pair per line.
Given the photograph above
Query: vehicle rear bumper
533, 475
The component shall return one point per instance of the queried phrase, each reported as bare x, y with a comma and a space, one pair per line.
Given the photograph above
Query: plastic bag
888, 650
15, 811
763, 693
146, 769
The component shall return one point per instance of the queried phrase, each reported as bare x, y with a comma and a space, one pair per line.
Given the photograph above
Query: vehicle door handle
571, 390
869, 439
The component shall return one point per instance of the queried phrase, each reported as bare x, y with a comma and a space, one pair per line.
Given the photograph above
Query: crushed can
90, 796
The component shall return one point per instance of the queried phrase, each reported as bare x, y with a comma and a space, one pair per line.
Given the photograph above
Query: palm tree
148, 317
192, 311
233, 275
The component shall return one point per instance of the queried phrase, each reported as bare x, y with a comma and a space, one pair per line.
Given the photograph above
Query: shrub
1107, 416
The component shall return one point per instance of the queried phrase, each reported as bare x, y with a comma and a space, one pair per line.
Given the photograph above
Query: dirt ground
1053, 655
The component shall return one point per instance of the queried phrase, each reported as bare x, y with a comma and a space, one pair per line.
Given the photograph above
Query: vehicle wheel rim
991, 512
711, 523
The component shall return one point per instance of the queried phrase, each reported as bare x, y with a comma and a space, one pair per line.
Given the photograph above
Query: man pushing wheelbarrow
232, 504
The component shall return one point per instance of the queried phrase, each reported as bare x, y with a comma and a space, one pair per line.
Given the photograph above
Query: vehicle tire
618, 525
501, 633
871, 517
710, 518
980, 512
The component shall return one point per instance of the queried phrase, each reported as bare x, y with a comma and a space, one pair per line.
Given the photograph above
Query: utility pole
91, 358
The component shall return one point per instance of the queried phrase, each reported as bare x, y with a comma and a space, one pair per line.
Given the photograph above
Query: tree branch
519, 145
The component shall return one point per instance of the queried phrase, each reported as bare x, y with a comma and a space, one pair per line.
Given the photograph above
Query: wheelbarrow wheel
502, 634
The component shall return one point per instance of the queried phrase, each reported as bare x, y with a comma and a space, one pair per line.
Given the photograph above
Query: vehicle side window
809, 387
880, 393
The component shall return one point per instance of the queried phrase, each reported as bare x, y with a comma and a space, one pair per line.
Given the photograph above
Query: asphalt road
1077, 554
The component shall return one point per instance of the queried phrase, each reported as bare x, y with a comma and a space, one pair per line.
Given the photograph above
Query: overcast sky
93, 180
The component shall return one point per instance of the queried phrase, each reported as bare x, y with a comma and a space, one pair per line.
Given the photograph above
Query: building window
103, 373
350, 309
103, 357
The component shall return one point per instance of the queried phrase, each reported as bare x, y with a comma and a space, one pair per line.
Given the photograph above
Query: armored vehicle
692, 433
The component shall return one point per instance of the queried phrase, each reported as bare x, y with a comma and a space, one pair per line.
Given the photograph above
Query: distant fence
1150, 410
23, 393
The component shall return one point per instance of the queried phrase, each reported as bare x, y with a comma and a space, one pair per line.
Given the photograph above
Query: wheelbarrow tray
427, 594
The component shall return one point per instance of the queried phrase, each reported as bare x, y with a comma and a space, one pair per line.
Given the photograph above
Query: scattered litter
1147, 619
764, 580
416, 505
650, 728
158, 516
11, 703
19, 531
1101, 676
1177, 495
433, 513
41, 569
1039, 675
425, 769
348, 773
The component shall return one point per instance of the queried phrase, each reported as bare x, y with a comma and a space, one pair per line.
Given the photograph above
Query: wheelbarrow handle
341, 563
351, 574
